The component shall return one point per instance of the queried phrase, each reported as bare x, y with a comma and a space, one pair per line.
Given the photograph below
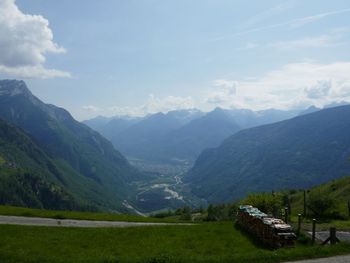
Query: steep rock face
296, 153
93, 169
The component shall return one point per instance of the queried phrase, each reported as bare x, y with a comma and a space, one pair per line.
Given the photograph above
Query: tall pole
313, 231
286, 215
299, 224
304, 203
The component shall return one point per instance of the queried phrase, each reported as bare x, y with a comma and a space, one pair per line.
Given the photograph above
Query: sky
135, 57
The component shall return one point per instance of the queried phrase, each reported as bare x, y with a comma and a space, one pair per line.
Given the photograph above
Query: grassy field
21, 211
338, 190
210, 242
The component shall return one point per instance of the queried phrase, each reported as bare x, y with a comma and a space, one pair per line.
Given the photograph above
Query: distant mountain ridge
93, 170
182, 134
295, 153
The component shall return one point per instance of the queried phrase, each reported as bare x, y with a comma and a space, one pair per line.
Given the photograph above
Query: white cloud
294, 85
308, 42
225, 91
24, 42
309, 19
91, 108
294, 23
38, 71
153, 105
168, 103
268, 13
334, 38
320, 90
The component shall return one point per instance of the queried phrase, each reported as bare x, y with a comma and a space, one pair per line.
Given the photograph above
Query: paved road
36, 221
323, 235
339, 259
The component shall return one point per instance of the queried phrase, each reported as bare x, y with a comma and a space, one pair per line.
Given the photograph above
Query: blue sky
114, 57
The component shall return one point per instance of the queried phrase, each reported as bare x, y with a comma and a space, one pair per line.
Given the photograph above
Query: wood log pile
270, 231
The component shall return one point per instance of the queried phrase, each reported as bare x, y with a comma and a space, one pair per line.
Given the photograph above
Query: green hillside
88, 165
298, 153
333, 198
28, 177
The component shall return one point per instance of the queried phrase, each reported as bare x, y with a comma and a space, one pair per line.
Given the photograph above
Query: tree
322, 205
186, 214
266, 202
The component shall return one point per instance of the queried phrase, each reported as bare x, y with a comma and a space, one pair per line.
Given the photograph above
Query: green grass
21, 211
211, 242
337, 189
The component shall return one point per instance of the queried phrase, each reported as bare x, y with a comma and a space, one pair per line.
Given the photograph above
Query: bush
322, 205
269, 203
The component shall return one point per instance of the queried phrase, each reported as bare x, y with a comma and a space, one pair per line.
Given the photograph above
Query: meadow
206, 242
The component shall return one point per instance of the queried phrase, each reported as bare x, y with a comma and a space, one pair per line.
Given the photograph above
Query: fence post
333, 235
299, 224
286, 215
313, 231
304, 203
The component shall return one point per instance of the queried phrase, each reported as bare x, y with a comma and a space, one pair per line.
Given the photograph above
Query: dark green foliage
80, 160
296, 153
28, 177
326, 201
223, 212
186, 214
270, 203
24, 188
322, 205
163, 214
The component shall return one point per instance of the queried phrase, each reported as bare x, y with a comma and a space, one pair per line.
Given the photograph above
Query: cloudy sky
115, 57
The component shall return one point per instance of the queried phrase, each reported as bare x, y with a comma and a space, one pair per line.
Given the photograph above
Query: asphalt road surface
338, 259
36, 221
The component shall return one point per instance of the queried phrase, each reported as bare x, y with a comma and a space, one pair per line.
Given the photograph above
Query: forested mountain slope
296, 153
91, 168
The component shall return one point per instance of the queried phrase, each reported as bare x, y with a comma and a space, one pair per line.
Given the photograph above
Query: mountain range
179, 136
86, 165
297, 153
50, 160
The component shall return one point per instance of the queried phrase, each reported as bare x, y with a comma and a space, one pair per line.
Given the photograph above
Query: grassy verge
21, 211
211, 242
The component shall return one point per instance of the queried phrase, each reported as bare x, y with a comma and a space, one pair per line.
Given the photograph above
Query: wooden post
313, 231
333, 236
286, 215
349, 207
304, 203
299, 224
